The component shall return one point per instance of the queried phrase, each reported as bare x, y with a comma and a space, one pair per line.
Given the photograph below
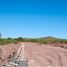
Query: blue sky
33, 18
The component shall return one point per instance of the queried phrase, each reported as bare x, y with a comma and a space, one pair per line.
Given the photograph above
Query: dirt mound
7, 51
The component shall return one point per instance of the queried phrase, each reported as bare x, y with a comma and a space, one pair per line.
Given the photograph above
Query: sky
33, 18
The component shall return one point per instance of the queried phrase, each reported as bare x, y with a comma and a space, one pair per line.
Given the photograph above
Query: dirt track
43, 55
38, 55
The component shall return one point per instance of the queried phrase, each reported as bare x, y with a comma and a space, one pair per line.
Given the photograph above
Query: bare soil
37, 55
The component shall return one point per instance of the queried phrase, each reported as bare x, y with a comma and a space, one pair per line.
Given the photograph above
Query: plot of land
44, 55
40, 55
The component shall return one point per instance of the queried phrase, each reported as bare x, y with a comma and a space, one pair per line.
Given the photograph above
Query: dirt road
44, 56
37, 55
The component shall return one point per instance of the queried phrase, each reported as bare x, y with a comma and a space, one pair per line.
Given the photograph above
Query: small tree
20, 39
0, 35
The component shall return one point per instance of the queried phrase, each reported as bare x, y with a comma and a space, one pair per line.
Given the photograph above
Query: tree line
43, 40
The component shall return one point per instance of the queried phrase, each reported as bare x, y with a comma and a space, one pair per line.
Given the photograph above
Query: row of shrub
44, 40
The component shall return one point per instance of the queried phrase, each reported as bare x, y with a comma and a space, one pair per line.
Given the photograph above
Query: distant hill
50, 39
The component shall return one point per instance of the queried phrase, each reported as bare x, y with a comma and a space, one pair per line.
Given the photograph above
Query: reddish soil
6, 51
38, 55
44, 55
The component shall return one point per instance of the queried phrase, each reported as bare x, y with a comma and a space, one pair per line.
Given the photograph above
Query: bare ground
7, 51
38, 55
44, 55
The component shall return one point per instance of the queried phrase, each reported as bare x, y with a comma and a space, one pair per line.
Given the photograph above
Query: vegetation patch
44, 40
